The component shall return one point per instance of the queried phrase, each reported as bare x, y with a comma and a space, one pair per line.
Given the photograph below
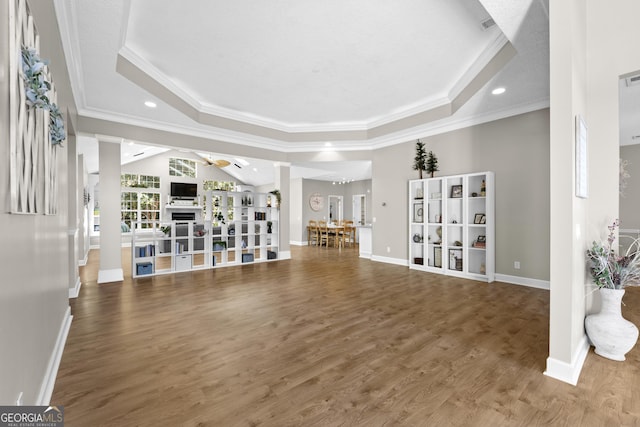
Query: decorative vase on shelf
612, 335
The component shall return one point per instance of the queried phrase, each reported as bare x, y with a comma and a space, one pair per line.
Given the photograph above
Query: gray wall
301, 211
516, 149
34, 252
357, 187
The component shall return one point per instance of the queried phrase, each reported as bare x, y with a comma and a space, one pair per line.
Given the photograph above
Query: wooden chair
348, 235
313, 234
325, 236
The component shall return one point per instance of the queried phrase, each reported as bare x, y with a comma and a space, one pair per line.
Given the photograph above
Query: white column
283, 183
72, 217
83, 213
110, 234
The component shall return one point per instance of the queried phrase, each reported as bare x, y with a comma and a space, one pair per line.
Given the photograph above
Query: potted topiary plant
420, 161
611, 334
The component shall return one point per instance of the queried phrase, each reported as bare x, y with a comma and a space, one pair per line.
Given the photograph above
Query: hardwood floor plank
326, 339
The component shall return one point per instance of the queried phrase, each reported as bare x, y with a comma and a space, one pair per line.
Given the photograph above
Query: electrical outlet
388, 249
19, 400
516, 265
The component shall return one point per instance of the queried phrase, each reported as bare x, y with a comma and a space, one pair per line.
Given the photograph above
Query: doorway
335, 209
359, 202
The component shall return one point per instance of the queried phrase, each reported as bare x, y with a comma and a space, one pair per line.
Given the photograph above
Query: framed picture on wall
456, 191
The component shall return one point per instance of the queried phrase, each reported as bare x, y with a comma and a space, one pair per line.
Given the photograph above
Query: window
149, 209
139, 201
129, 180
218, 185
221, 186
141, 208
128, 208
182, 167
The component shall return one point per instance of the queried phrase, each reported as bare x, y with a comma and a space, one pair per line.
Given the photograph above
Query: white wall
589, 53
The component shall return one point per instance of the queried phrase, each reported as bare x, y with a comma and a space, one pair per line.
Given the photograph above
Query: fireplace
183, 216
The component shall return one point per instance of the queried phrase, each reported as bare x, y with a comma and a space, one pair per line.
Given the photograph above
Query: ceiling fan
221, 163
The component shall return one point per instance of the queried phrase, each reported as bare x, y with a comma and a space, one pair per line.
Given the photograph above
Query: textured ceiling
297, 62
293, 74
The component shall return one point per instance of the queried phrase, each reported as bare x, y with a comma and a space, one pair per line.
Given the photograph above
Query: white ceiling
297, 63
294, 74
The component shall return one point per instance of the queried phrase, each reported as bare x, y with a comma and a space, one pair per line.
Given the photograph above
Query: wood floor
326, 339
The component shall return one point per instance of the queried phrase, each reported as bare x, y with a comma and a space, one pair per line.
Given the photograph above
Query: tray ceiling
295, 73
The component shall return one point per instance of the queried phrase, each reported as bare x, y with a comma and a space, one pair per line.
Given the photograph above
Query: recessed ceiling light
150, 104
498, 91
255, 169
327, 144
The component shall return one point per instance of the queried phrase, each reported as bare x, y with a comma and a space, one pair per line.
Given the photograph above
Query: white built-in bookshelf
452, 225
237, 228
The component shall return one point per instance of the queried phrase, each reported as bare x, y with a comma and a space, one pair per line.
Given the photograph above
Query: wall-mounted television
184, 190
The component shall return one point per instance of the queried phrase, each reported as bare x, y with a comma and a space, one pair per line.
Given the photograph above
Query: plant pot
611, 334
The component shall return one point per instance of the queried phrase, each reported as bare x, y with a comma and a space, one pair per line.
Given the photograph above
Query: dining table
338, 232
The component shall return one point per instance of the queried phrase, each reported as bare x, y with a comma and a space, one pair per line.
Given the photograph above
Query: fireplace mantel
183, 208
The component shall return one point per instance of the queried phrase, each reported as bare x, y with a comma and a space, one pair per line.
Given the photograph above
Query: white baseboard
388, 260
284, 255
108, 276
75, 291
294, 243
46, 389
366, 255
569, 373
83, 262
523, 281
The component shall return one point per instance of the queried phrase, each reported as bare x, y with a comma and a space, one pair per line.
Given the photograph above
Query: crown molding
66, 17
141, 72
454, 123
478, 65
214, 133
429, 129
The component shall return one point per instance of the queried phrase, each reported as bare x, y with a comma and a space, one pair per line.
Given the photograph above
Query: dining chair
325, 237
313, 233
348, 233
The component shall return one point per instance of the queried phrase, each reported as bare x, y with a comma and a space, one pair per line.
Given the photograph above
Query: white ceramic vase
611, 334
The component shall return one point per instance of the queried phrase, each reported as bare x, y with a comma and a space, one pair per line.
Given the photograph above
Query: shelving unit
452, 225
237, 228
248, 229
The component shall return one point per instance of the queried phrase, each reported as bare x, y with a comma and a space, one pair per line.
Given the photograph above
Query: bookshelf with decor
452, 225
238, 227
